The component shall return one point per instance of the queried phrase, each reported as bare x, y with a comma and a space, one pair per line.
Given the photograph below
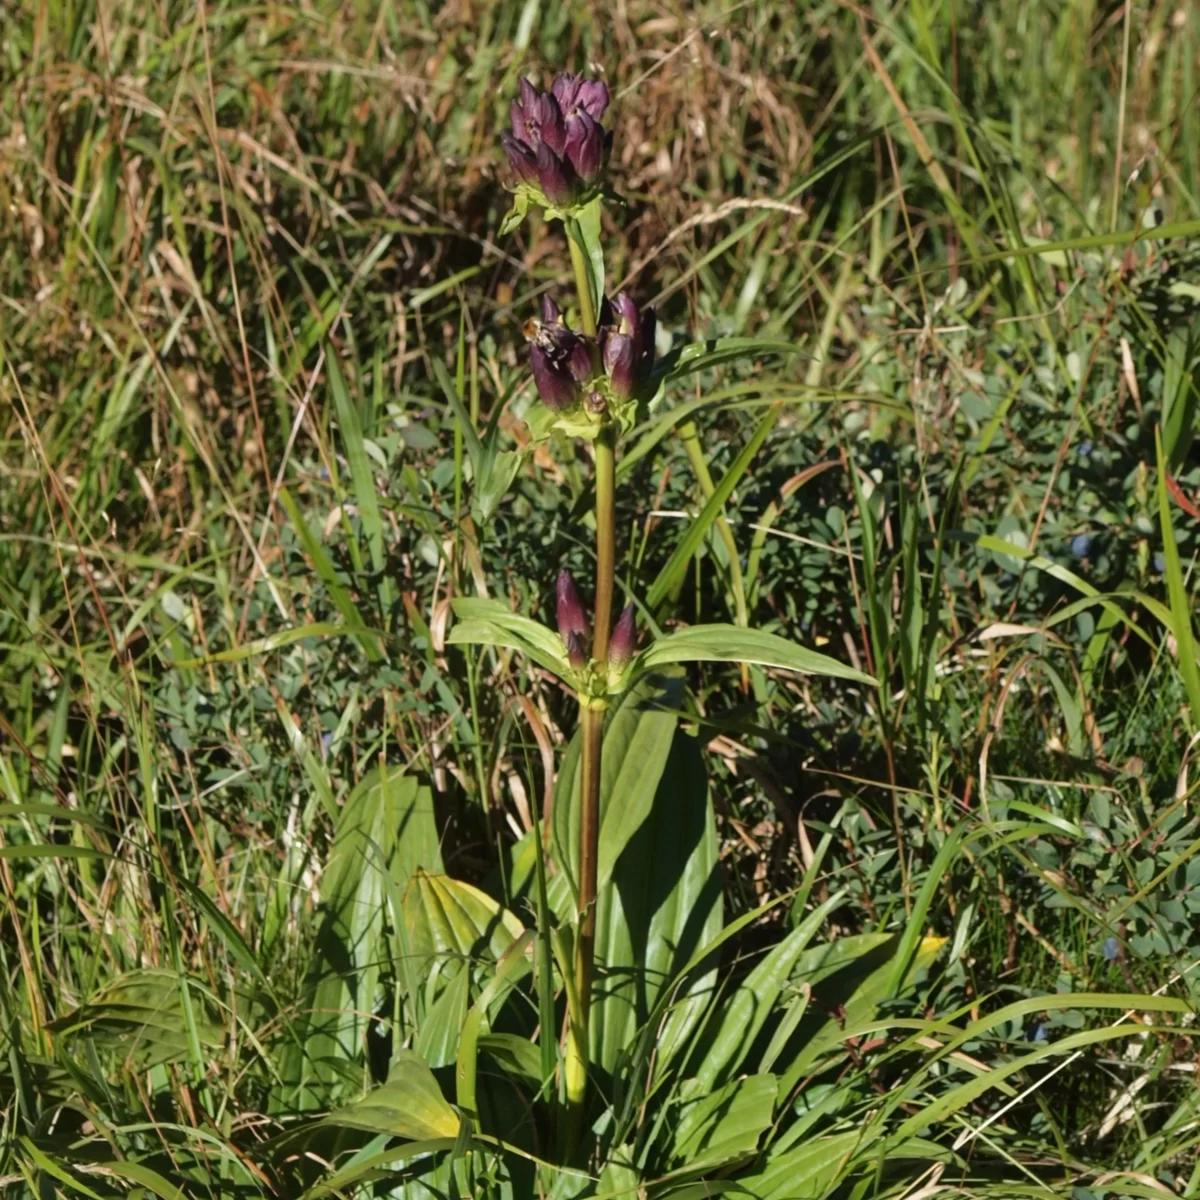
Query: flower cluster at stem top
557, 145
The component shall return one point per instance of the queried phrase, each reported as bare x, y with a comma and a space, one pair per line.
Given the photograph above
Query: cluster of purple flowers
573, 626
558, 146
557, 142
567, 365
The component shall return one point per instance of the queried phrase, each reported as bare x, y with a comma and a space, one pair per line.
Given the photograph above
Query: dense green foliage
270, 907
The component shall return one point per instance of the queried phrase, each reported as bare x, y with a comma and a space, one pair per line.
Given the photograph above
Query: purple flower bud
555, 385
584, 146
516, 118
529, 96
537, 118
520, 157
580, 362
626, 344
617, 352
560, 358
552, 124
574, 93
628, 321
576, 653
624, 638
572, 620
553, 177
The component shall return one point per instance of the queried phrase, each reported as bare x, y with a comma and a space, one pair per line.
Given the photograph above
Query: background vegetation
233, 240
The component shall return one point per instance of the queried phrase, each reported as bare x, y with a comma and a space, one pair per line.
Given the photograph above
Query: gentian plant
668, 1069
594, 382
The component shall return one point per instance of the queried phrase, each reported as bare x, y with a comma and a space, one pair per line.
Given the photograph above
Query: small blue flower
1037, 1033
326, 741
1081, 545
1160, 564
1084, 449
1110, 949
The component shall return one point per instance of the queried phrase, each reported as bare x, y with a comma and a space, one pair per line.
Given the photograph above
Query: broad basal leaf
723, 1126
385, 832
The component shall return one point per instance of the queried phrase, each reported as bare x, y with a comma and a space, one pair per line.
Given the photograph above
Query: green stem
583, 285
592, 722
591, 716
606, 534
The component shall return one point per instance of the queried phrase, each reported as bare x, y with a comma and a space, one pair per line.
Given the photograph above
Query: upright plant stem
591, 717
606, 532
583, 284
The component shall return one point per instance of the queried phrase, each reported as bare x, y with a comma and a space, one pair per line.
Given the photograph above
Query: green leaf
650, 922
513, 966
731, 643
410, 1105
449, 918
492, 623
1181, 390
224, 928
452, 928
384, 1164
517, 1055
139, 1016
850, 977
723, 1126
1181, 602
806, 1173
740, 1017
386, 829
50, 850
638, 735
491, 489
328, 576
277, 641
673, 572
144, 1176
441, 1027
701, 356
997, 545
361, 474
516, 214
494, 470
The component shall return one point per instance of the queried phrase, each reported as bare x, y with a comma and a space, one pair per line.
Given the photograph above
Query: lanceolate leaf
677, 564
386, 827
452, 928
491, 623
740, 1017
362, 476
638, 736
139, 1017
409, 1105
731, 643
493, 468
700, 356
650, 922
723, 1126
